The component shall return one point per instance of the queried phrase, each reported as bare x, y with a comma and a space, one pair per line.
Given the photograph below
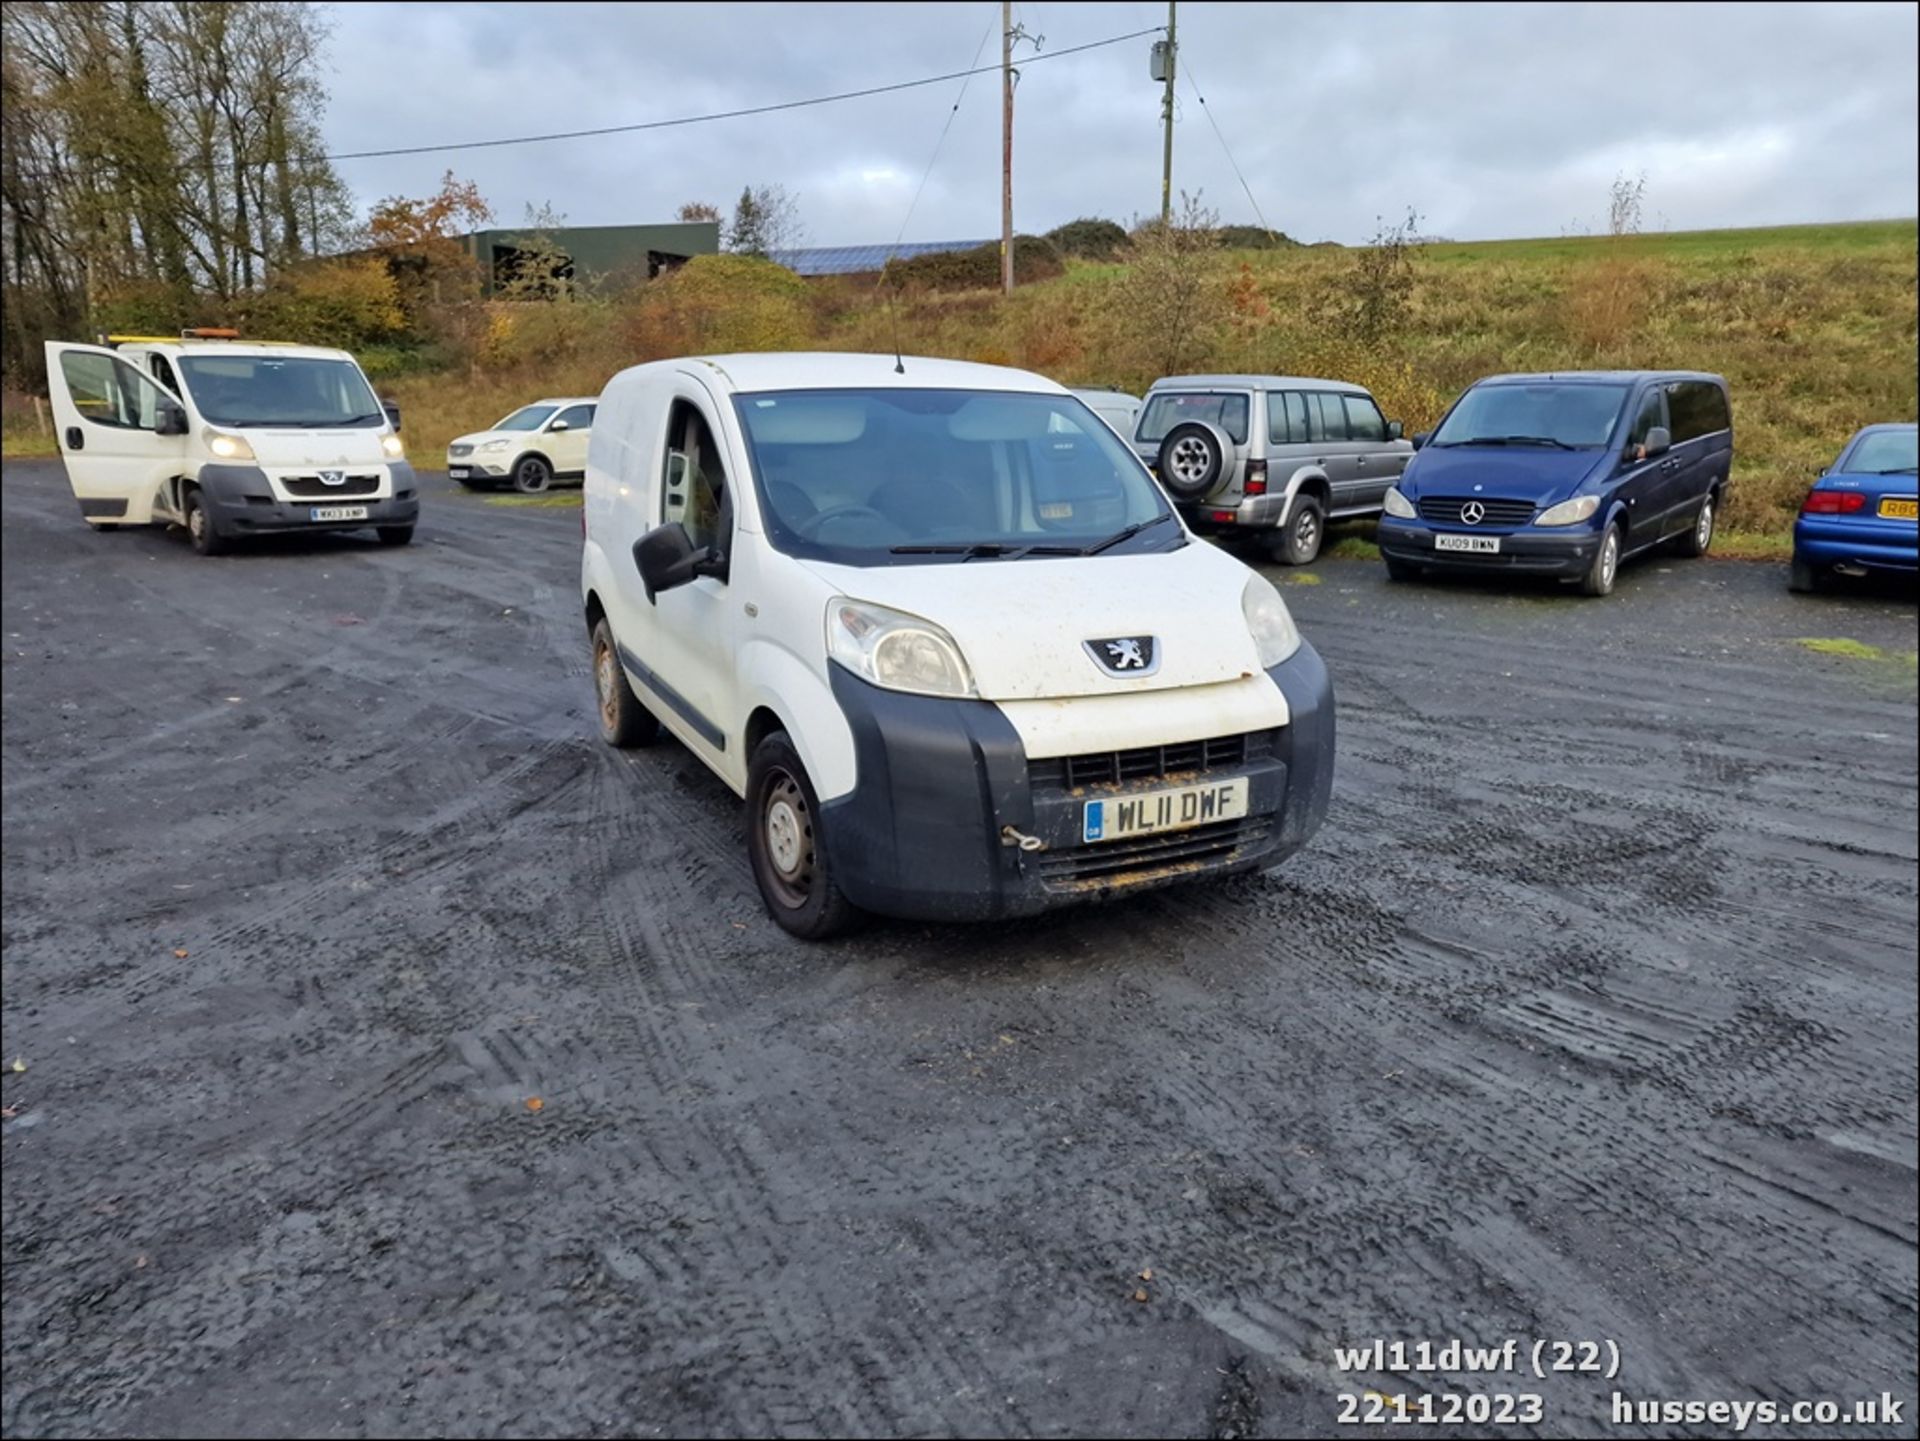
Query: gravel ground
1589, 1016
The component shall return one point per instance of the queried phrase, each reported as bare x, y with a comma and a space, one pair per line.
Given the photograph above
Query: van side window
163, 373
695, 492
1326, 417
1364, 420
1286, 417
1653, 412
1698, 408
108, 391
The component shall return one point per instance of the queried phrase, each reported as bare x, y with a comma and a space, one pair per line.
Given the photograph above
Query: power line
725, 114
940, 144
1193, 84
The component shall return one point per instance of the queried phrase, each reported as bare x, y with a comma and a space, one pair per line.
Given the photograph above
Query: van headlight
1570, 512
895, 650
1398, 505
1275, 636
223, 445
392, 446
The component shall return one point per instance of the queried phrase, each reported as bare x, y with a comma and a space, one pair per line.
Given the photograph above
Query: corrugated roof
863, 259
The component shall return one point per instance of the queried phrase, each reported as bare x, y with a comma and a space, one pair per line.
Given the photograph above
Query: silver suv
1275, 454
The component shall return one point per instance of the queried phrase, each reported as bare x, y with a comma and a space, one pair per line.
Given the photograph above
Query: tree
1377, 297
765, 219
540, 268
697, 211
420, 241
1171, 268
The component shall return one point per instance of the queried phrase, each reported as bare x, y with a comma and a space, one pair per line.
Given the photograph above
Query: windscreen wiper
1898, 470
1120, 535
1534, 440
986, 550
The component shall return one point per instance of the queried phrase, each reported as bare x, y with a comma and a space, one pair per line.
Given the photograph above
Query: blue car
1862, 517
1563, 475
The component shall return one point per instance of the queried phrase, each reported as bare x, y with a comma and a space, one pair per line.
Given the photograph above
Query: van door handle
75, 440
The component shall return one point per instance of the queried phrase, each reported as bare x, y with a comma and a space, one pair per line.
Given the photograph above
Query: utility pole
1006, 146
1166, 117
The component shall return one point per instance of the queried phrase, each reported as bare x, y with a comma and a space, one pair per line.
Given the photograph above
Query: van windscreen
1565, 415
280, 390
899, 477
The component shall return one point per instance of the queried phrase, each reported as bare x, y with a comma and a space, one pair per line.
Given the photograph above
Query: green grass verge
555, 500
27, 447
1753, 545
1351, 547
1858, 650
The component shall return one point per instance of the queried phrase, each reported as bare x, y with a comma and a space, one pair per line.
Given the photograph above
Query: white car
938, 626
228, 438
1116, 407
529, 450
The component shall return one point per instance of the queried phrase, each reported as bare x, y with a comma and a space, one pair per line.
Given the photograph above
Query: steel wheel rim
786, 827
1188, 461
1306, 529
1703, 531
197, 522
1609, 558
603, 682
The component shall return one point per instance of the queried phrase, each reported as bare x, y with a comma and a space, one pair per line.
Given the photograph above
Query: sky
1488, 121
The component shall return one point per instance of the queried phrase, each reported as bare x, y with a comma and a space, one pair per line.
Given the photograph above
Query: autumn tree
698, 211
420, 239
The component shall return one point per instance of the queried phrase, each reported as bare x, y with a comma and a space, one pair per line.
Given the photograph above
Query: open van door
122, 434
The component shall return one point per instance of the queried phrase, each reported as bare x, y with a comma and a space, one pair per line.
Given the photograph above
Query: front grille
1146, 763
459, 450
1112, 862
310, 487
1445, 510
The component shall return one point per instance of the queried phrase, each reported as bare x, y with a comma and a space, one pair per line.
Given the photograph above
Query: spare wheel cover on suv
1193, 459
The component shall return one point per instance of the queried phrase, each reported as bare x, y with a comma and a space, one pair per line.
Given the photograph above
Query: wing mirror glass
1659, 441
667, 558
1421, 438
1394, 430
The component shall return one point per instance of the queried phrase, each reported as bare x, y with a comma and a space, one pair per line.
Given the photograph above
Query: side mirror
558, 426
393, 414
666, 558
1659, 441
169, 419
1421, 438
1394, 430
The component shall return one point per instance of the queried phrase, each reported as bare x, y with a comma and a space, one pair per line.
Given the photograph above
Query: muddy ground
1589, 1016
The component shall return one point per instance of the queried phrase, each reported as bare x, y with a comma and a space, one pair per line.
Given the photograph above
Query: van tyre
1193, 459
624, 721
1803, 579
201, 532
1697, 540
1299, 541
104, 525
1401, 571
395, 534
532, 475
1605, 569
787, 846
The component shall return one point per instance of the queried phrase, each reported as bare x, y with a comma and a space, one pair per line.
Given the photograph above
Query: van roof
1252, 382
833, 370
1600, 377
236, 347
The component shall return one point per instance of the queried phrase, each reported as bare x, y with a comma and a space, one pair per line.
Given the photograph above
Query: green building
598, 256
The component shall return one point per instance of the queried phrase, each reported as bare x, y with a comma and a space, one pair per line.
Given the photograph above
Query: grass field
1813, 326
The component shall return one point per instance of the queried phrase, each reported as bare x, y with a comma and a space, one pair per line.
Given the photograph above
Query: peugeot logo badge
1472, 513
1125, 655
333, 477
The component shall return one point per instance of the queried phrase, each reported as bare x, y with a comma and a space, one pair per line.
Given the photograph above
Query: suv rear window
1169, 408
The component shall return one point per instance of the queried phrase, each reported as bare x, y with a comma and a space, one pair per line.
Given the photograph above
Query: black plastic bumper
1531, 552
240, 501
921, 834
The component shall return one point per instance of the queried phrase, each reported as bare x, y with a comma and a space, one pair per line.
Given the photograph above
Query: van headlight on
222, 445
1570, 512
1275, 636
1398, 505
895, 650
392, 446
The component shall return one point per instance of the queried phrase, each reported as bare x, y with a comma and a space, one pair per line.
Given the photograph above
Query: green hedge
1034, 259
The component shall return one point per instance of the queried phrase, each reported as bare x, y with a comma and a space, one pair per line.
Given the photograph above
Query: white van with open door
228, 438
939, 627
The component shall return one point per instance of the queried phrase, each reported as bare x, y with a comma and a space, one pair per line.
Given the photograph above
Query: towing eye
1011, 837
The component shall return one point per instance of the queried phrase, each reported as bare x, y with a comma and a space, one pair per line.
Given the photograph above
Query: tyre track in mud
1589, 1013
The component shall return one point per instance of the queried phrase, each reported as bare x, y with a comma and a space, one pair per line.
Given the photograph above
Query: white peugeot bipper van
939, 627
228, 438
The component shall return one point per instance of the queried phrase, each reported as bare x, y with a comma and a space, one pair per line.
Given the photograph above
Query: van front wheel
787, 845
624, 722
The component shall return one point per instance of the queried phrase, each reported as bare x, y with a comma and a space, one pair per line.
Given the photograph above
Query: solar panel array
863, 259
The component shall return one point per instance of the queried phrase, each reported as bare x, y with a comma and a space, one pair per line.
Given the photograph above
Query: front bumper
240, 501
1872, 544
1567, 554
920, 835
496, 466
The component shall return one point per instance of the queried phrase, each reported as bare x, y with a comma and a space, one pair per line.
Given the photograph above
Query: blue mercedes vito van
1563, 475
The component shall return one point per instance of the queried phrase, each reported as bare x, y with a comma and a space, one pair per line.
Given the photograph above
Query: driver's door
108, 415
567, 436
